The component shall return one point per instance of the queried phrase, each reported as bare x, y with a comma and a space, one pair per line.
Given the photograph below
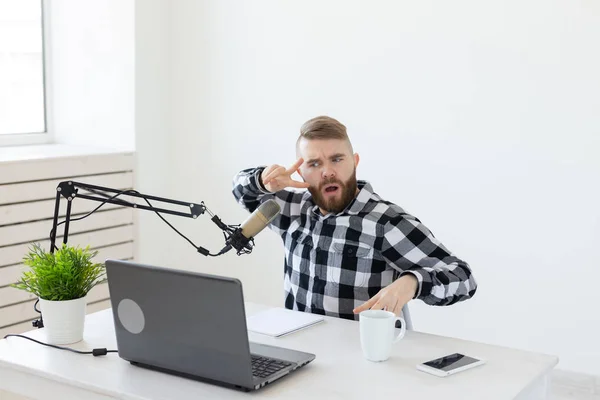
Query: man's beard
338, 203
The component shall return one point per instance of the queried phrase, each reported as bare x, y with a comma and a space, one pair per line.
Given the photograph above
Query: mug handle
402, 329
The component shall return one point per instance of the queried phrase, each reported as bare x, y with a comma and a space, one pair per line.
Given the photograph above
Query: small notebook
281, 321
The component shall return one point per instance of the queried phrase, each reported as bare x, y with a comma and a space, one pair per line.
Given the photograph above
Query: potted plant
61, 280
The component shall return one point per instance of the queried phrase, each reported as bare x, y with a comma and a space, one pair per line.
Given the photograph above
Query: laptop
192, 325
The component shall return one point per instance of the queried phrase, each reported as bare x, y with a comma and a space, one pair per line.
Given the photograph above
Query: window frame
46, 137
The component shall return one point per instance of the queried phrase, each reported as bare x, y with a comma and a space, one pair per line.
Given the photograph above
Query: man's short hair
323, 127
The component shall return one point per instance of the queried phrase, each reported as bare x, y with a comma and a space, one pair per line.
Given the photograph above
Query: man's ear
356, 159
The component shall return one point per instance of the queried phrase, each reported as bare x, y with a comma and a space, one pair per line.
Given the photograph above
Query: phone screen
451, 362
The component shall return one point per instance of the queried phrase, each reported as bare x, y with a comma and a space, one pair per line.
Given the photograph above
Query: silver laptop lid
157, 321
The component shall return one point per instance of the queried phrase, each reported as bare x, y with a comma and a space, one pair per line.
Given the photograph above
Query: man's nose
328, 173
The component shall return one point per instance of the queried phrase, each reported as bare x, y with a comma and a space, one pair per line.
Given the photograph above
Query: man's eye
314, 164
337, 159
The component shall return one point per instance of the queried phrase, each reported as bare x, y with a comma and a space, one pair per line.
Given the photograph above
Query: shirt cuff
417, 274
259, 183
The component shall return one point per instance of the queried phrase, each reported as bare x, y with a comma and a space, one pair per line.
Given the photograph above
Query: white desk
339, 370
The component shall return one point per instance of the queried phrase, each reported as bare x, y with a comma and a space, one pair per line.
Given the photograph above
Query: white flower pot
63, 320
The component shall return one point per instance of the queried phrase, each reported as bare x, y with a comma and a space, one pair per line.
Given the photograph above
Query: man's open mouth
331, 188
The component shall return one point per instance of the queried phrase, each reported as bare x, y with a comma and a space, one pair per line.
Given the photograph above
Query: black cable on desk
94, 352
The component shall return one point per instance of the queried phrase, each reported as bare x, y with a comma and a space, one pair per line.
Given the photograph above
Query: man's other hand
393, 297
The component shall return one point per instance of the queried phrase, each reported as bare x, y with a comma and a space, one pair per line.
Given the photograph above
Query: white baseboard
568, 381
10, 396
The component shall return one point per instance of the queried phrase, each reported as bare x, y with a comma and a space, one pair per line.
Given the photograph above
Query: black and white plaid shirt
334, 263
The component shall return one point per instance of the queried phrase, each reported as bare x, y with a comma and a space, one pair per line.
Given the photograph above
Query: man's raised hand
275, 177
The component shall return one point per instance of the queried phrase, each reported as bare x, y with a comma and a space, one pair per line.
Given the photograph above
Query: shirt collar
356, 206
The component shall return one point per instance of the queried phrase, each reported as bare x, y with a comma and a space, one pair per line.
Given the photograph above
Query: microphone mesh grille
269, 209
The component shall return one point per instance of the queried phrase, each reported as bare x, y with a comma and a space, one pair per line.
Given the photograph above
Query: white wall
480, 118
152, 120
91, 72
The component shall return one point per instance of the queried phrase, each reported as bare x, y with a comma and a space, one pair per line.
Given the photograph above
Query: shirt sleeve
250, 193
410, 247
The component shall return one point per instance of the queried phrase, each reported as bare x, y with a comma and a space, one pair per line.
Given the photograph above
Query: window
22, 87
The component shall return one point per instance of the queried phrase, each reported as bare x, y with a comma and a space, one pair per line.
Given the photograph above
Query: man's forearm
411, 248
247, 188
444, 285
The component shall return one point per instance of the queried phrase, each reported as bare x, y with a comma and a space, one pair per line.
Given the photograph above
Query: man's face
330, 169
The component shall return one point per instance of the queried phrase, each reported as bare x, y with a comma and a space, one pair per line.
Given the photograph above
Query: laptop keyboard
262, 367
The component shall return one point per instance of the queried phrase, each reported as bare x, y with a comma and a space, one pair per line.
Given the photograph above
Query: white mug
377, 333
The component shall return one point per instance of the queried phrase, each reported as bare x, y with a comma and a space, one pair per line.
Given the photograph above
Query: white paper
281, 321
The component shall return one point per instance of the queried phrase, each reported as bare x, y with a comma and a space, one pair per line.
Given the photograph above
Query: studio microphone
256, 222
